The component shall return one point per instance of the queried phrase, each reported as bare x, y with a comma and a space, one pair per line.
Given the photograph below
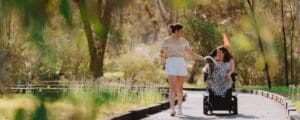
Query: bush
110, 65
140, 68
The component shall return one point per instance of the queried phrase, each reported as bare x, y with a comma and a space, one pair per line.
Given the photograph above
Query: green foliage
296, 65
40, 113
65, 10
245, 55
297, 105
101, 30
183, 3
86, 106
139, 67
110, 66
104, 96
78, 104
204, 36
4, 7
247, 51
20, 114
283, 90
90, 100
35, 18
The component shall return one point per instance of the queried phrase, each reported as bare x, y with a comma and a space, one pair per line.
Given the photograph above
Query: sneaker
173, 113
180, 112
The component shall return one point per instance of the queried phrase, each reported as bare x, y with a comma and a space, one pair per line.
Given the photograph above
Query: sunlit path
250, 107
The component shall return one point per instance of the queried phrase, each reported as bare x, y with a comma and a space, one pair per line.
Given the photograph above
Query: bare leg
179, 86
172, 83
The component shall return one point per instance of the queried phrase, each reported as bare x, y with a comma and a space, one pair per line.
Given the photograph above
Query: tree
251, 4
167, 16
154, 21
298, 24
102, 22
292, 36
284, 43
204, 38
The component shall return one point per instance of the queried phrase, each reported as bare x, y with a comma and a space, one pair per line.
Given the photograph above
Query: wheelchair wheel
205, 110
235, 105
205, 105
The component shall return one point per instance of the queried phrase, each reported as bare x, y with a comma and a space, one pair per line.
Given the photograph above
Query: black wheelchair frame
212, 102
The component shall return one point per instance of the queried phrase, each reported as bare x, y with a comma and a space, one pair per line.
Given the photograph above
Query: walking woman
173, 49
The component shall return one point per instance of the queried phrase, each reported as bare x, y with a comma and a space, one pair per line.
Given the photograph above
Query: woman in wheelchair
218, 76
219, 71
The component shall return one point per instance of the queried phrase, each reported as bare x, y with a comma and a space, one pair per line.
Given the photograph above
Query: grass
21, 104
91, 104
129, 102
197, 85
114, 74
282, 90
297, 105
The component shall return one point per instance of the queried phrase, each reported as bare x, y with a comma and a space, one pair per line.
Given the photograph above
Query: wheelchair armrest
213, 53
233, 76
205, 75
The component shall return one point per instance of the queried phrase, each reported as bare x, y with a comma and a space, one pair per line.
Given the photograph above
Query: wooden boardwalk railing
66, 86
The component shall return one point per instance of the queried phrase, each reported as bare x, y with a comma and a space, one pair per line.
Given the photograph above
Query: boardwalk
251, 107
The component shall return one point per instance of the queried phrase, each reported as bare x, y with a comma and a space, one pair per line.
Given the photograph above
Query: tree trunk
297, 48
5, 26
284, 44
168, 18
298, 24
161, 9
251, 5
154, 21
98, 62
292, 34
88, 31
8, 28
96, 50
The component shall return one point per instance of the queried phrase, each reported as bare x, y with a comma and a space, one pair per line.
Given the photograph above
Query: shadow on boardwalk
227, 116
188, 117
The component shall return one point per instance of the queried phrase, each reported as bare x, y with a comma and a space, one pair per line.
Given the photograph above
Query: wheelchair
229, 101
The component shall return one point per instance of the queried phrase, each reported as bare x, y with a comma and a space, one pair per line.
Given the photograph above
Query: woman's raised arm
193, 54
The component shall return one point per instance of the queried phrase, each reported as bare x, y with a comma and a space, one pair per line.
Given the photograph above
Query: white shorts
176, 66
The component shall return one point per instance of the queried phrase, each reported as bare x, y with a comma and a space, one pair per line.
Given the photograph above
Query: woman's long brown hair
227, 55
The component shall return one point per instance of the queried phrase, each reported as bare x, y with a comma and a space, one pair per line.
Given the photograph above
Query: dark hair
176, 27
227, 55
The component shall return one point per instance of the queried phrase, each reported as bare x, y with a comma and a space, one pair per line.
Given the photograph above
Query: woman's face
178, 33
220, 55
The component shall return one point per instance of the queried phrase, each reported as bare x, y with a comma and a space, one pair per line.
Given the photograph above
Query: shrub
140, 68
